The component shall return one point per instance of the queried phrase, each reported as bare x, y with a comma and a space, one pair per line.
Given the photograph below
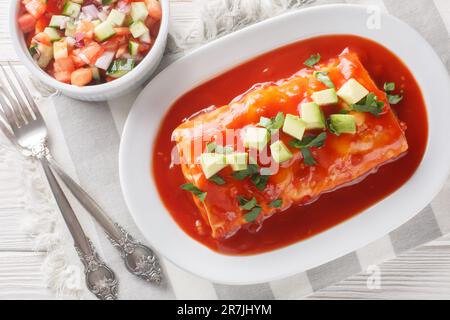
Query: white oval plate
143, 122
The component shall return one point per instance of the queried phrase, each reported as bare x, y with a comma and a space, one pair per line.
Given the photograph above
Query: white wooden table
422, 273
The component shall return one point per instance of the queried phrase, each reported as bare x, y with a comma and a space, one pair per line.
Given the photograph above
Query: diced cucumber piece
116, 18
71, 9
237, 160
107, 2
104, 31
133, 48
139, 11
52, 33
60, 49
95, 73
138, 28
96, 22
70, 29
146, 38
212, 163
352, 92
58, 21
342, 123
280, 153
120, 67
256, 138
33, 49
325, 97
294, 126
313, 116
45, 55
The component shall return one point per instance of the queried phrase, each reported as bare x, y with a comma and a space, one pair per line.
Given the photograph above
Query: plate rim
279, 275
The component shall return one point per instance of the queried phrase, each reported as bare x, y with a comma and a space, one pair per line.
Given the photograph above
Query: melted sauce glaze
298, 222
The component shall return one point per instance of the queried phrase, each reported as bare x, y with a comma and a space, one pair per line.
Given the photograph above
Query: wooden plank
423, 273
21, 276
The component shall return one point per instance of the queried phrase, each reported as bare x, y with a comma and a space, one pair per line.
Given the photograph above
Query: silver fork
29, 133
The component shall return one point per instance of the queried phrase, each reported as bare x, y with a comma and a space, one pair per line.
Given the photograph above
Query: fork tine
26, 92
19, 105
10, 115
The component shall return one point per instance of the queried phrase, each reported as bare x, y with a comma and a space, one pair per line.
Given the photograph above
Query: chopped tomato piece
86, 27
63, 69
43, 38
144, 47
36, 8
92, 52
55, 6
81, 77
154, 9
76, 59
26, 22
42, 23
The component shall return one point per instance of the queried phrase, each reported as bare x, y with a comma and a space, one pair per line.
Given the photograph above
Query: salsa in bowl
87, 44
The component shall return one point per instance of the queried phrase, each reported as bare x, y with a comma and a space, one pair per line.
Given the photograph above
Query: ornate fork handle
138, 258
100, 279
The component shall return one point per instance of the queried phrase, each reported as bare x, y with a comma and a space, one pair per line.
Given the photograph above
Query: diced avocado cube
256, 138
352, 92
139, 11
313, 116
120, 67
280, 153
52, 33
237, 160
212, 163
58, 21
325, 97
294, 126
342, 123
138, 28
133, 48
45, 55
71, 9
104, 31
116, 18
70, 29
60, 50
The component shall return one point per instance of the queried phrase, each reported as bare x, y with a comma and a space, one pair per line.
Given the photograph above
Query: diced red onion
83, 57
90, 11
105, 60
123, 7
71, 41
79, 36
102, 15
63, 23
146, 38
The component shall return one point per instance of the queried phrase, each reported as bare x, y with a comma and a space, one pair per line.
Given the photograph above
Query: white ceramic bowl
99, 92
201, 65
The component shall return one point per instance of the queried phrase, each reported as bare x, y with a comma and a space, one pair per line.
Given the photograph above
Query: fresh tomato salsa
343, 124
88, 42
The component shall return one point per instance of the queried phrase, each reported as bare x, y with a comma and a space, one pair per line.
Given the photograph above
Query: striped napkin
85, 138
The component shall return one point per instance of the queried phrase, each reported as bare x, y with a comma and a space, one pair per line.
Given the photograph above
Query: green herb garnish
260, 181
33, 50
273, 123
195, 191
253, 214
369, 104
211, 147
276, 203
247, 204
392, 98
323, 77
306, 144
312, 60
243, 174
217, 180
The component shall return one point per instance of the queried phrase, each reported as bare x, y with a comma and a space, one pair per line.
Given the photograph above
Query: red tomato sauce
299, 222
